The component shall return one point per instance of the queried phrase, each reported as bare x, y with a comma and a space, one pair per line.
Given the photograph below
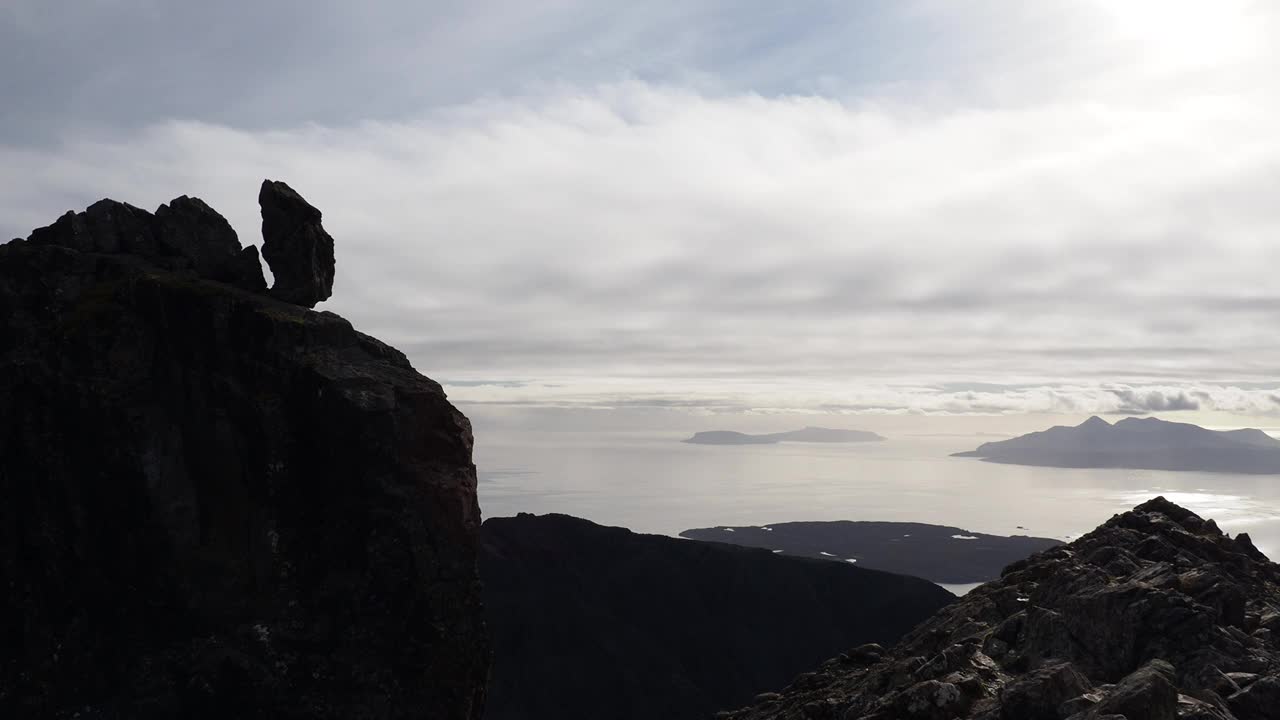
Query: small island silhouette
808, 434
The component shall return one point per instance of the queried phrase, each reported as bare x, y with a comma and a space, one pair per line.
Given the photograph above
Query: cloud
1001, 228
634, 229
816, 397
1137, 402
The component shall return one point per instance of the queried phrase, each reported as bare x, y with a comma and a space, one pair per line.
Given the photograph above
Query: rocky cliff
1155, 615
591, 621
218, 504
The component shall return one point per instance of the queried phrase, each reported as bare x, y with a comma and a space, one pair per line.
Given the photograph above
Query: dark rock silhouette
1140, 443
1155, 615
216, 504
295, 246
184, 235
808, 434
935, 552
591, 621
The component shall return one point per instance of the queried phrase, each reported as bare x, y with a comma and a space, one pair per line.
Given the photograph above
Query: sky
875, 208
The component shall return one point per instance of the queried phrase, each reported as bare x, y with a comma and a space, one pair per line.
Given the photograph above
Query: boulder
1145, 694
1259, 701
295, 246
1038, 695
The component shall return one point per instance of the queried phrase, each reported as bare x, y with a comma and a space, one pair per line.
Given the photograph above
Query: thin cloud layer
822, 398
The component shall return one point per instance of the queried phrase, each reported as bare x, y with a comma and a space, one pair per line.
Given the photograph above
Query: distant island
809, 434
1141, 444
939, 553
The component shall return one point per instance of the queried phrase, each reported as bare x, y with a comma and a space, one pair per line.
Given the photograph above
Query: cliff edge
216, 503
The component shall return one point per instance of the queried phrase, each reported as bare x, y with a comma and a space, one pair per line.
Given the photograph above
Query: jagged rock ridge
217, 504
1155, 615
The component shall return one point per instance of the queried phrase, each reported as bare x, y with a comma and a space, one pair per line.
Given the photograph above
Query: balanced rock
295, 245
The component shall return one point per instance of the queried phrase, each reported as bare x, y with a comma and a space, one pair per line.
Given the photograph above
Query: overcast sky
867, 207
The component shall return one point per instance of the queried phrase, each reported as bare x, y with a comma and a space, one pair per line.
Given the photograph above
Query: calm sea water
650, 482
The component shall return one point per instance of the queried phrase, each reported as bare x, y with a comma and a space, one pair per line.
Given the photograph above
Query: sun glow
1185, 33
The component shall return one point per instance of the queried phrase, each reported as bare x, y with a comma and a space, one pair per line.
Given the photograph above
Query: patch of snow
852, 560
728, 529
777, 551
821, 552
965, 537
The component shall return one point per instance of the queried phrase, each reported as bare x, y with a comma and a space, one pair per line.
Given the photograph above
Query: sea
651, 482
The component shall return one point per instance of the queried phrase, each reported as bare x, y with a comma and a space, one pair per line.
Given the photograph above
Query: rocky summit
1155, 615
217, 504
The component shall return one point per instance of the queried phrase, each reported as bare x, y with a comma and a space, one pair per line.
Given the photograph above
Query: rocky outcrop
217, 504
295, 245
184, 235
591, 621
1156, 615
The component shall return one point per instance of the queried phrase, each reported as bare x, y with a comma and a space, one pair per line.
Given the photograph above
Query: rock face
591, 621
295, 245
216, 504
1155, 615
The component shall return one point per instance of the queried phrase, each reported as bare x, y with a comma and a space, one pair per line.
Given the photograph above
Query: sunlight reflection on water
650, 482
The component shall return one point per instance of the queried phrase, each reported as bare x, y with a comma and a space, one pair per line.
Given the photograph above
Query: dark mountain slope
216, 504
591, 621
1155, 615
1140, 443
935, 552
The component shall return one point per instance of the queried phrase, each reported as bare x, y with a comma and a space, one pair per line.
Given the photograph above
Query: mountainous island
808, 434
936, 552
586, 617
1139, 443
